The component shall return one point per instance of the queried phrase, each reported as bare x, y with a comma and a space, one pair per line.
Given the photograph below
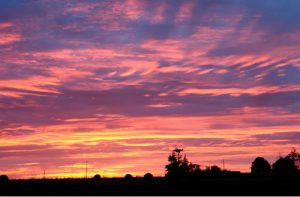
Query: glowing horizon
122, 83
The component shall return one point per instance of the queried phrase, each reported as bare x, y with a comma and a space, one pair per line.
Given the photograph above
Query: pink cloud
9, 38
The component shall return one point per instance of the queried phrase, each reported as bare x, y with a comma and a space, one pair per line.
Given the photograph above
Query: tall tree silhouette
287, 166
178, 166
260, 167
284, 167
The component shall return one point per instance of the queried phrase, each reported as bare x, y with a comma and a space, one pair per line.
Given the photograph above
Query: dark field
156, 186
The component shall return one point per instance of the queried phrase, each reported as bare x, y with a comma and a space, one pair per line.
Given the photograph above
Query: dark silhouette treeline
182, 178
179, 167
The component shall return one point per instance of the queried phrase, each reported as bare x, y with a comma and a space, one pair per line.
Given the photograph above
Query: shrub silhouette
97, 177
213, 171
148, 176
4, 179
260, 167
128, 176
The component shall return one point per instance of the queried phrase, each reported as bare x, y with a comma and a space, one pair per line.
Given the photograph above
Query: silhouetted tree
128, 176
213, 171
284, 167
195, 171
295, 157
194, 167
4, 179
287, 166
97, 177
178, 166
148, 176
260, 167
185, 166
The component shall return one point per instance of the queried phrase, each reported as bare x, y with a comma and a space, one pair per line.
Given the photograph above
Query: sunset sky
122, 83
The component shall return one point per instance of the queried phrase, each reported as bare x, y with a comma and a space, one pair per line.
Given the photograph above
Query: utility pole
223, 164
86, 169
44, 175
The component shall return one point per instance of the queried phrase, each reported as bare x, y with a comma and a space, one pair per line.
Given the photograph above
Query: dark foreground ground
156, 186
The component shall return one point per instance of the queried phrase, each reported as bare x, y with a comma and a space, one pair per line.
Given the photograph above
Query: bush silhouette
4, 179
128, 176
97, 177
213, 171
148, 176
260, 167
